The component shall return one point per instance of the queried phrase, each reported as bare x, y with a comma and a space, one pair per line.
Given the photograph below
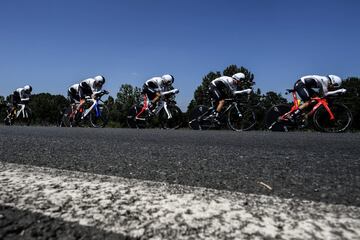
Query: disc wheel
131, 119
272, 116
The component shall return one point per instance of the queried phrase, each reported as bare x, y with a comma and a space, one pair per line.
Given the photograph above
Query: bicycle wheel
65, 119
197, 116
131, 120
176, 117
272, 116
100, 118
241, 118
341, 123
8, 121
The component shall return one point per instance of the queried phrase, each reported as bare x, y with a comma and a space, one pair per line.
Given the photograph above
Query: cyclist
305, 88
21, 95
220, 88
153, 88
89, 88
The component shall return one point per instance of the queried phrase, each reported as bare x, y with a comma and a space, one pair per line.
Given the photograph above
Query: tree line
47, 108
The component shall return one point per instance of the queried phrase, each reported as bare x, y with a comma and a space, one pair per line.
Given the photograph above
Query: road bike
166, 113
327, 115
238, 115
94, 111
21, 115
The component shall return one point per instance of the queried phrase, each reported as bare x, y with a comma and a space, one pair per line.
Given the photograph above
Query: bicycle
21, 115
167, 113
327, 115
238, 115
94, 111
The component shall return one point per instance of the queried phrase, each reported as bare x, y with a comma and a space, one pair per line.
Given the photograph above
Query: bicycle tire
272, 116
342, 122
131, 120
102, 119
65, 119
243, 122
196, 118
175, 121
7, 121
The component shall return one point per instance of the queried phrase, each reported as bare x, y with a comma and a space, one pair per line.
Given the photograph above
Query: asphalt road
302, 165
181, 184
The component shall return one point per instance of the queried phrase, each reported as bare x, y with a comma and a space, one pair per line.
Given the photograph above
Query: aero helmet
168, 79
100, 79
238, 76
28, 88
335, 80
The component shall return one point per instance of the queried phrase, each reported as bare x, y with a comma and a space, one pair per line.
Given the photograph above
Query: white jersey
90, 83
229, 82
316, 81
156, 84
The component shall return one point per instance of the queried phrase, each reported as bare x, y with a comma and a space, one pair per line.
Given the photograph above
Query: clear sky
52, 44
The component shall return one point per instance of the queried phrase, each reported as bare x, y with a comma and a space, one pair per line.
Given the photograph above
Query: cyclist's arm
343, 90
247, 91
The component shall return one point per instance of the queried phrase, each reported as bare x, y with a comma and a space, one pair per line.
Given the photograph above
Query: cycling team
219, 89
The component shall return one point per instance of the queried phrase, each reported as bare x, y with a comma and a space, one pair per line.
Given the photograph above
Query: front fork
164, 105
238, 110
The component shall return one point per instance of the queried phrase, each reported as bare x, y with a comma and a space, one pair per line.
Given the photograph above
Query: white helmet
238, 76
28, 88
100, 79
335, 80
168, 79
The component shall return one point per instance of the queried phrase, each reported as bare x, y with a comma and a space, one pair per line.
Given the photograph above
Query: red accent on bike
144, 107
320, 101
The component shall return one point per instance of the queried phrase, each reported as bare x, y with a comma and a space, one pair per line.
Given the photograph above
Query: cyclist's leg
305, 94
145, 105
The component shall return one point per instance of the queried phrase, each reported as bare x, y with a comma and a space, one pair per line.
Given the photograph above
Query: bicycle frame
95, 104
22, 110
320, 102
162, 104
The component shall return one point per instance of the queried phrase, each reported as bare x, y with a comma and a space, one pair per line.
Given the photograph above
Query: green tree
2, 108
126, 97
352, 99
46, 108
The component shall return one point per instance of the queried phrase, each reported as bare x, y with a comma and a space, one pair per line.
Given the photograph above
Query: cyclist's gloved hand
343, 90
105, 92
176, 91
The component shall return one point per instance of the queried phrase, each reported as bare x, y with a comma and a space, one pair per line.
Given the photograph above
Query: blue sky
52, 44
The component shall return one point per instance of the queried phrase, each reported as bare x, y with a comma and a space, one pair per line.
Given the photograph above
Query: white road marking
154, 210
